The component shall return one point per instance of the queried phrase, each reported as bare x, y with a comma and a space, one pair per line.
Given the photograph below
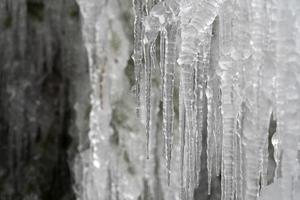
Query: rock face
44, 97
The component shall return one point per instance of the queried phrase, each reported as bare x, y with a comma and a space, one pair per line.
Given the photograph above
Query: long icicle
148, 85
138, 50
182, 138
168, 90
199, 82
162, 56
212, 103
225, 71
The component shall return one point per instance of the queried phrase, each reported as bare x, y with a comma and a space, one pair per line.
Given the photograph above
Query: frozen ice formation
217, 92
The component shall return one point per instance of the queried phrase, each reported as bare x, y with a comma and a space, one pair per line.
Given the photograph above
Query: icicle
210, 138
196, 18
188, 74
265, 88
233, 73
152, 27
212, 94
161, 19
271, 54
215, 85
201, 76
138, 49
199, 88
182, 140
219, 130
241, 53
150, 63
271, 75
148, 84
226, 70
162, 55
168, 88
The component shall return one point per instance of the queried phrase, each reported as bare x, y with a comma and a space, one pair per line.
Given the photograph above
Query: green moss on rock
7, 22
35, 10
74, 12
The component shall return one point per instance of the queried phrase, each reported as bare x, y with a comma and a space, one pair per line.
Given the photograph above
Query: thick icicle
215, 78
212, 94
152, 27
265, 90
226, 71
188, 74
241, 53
138, 6
204, 67
168, 90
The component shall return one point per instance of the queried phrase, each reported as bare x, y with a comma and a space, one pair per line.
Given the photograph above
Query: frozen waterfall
210, 108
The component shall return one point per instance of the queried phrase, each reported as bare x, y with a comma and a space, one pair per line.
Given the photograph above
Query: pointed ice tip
209, 191
147, 153
168, 178
147, 149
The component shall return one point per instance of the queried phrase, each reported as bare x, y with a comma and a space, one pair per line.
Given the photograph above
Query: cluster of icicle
240, 60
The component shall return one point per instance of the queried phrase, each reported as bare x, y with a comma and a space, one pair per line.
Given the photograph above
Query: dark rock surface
43, 65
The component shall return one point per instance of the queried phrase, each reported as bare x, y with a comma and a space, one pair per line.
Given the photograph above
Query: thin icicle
199, 87
182, 140
161, 19
162, 55
148, 84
